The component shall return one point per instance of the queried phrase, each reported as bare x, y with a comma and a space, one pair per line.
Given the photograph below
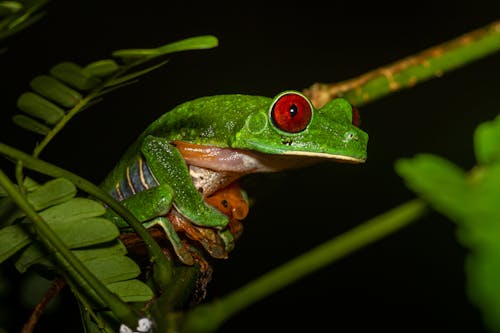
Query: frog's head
292, 126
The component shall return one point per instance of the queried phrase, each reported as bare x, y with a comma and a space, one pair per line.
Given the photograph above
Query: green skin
227, 121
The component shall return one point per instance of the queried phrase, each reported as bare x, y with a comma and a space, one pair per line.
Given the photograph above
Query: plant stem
409, 71
50, 239
208, 317
163, 268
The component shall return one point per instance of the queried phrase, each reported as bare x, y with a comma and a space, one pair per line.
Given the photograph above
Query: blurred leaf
40, 108
18, 15
12, 239
487, 142
194, 43
74, 75
30, 124
472, 201
56, 91
101, 68
131, 290
438, 181
10, 7
51, 193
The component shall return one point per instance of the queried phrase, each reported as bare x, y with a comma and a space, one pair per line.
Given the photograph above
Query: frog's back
211, 120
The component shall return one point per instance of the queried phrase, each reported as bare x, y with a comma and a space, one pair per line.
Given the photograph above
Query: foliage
19, 15
470, 199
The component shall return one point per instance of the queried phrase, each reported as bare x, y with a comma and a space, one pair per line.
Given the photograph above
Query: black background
411, 281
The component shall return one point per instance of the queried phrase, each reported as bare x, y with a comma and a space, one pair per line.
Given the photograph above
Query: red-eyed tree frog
205, 145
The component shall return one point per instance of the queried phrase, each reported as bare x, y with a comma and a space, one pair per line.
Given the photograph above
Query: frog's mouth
242, 162
323, 156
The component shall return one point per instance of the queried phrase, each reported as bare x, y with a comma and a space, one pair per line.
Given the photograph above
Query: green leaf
19, 24
52, 193
114, 248
74, 75
28, 183
483, 289
12, 239
86, 232
40, 108
113, 269
472, 201
487, 142
128, 77
56, 91
193, 43
101, 68
79, 234
438, 181
73, 210
30, 124
131, 290
9, 212
35, 253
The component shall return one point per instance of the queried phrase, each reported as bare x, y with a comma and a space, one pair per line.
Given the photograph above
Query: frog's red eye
291, 112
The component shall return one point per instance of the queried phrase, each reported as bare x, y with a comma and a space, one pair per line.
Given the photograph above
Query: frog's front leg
169, 167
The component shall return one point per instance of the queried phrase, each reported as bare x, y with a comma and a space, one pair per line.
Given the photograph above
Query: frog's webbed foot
209, 238
180, 250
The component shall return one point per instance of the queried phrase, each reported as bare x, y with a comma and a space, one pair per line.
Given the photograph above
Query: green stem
123, 311
163, 268
208, 317
412, 70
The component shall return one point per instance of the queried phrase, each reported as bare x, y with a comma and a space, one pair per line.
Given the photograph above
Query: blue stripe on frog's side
138, 177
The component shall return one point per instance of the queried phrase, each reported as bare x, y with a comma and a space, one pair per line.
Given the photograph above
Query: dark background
411, 281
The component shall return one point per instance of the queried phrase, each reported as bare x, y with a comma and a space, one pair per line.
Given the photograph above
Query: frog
202, 146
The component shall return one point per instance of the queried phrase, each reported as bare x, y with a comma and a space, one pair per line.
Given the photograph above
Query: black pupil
293, 110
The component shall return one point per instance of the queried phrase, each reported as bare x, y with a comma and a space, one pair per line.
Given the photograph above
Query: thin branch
52, 292
408, 72
208, 317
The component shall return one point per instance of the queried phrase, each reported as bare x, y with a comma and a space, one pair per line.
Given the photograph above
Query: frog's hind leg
149, 207
180, 250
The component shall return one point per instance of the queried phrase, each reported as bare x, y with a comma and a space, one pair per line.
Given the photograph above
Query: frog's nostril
351, 136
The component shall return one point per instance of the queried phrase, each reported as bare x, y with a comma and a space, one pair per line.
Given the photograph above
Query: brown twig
52, 292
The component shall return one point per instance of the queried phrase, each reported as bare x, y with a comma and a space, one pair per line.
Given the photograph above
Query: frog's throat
242, 162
